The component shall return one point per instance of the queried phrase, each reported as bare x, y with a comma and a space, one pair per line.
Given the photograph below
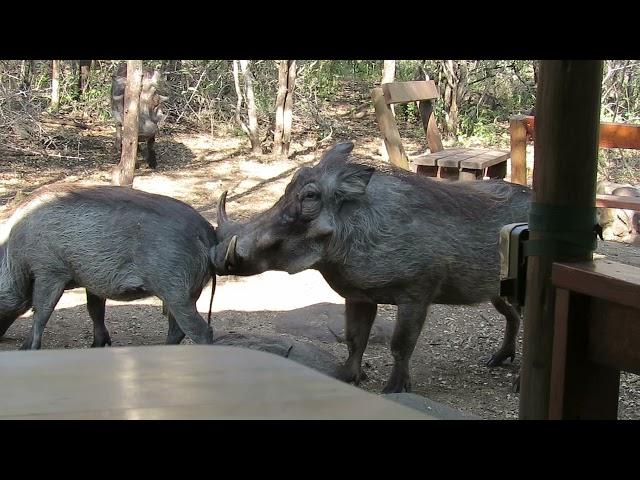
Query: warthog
619, 224
378, 234
149, 109
117, 243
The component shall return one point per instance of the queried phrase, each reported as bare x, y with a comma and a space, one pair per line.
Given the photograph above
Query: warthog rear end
117, 243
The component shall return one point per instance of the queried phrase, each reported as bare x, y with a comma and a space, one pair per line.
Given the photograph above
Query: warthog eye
310, 205
311, 195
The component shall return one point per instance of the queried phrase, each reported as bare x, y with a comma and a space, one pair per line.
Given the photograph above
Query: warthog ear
339, 152
352, 180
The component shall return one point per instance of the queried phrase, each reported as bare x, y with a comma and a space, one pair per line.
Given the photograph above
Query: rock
435, 409
325, 322
307, 354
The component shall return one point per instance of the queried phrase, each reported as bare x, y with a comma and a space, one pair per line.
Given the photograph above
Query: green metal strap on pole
567, 231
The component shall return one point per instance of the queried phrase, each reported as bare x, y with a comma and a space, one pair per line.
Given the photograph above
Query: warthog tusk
222, 208
230, 258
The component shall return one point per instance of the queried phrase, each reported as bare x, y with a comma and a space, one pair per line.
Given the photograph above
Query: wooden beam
605, 279
518, 133
612, 135
389, 130
434, 140
565, 169
403, 92
617, 201
580, 387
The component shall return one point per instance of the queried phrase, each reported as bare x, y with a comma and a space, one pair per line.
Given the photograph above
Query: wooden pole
565, 168
389, 130
518, 133
123, 172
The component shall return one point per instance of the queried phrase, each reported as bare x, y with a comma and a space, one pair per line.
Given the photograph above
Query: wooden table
178, 382
596, 335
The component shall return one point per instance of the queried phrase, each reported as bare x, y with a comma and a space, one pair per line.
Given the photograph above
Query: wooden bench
596, 335
454, 163
522, 130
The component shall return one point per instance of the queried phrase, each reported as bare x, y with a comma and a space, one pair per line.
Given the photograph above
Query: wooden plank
605, 279
617, 201
559, 361
618, 135
614, 335
485, 160
389, 130
179, 382
448, 152
612, 135
434, 139
431, 159
518, 136
579, 388
454, 160
425, 159
404, 92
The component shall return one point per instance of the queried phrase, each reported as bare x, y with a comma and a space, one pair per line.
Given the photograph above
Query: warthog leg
151, 153
508, 348
175, 335
409, 322
47, 291
95, 305
359, 318
190, 322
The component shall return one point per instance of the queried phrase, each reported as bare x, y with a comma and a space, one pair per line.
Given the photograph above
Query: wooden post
565, 168
518, 132
430, 128
389, 130
580, 388
123, 172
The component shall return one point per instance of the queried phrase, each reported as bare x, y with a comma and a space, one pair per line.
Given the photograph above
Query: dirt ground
448, 364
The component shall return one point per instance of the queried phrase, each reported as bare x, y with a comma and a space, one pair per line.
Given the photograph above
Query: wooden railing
522, 129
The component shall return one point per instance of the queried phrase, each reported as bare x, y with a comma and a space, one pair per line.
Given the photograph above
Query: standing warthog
382, 235
117, 243
149, 109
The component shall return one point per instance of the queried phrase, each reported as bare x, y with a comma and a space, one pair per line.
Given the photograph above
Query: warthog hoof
398, 384
515, 386
350, 375
499, 357
101, 342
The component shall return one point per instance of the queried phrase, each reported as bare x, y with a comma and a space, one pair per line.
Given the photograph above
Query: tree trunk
247, 97
240, 95
455, 73
284, 107
123, 172
83, 76
283, 76
388, 76
55, 84
254, 134
288, 109
26, 71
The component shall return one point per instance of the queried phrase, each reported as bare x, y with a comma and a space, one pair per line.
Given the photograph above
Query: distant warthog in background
149, 109
619, 224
